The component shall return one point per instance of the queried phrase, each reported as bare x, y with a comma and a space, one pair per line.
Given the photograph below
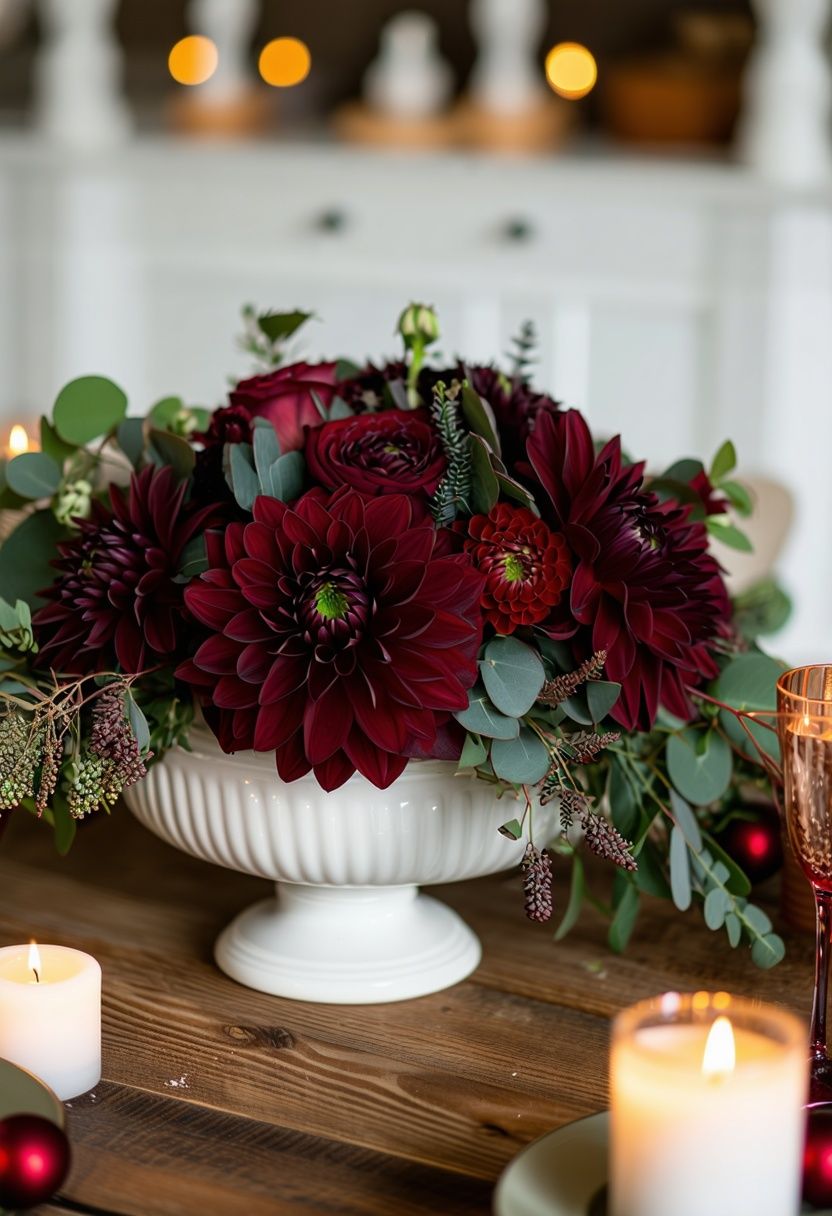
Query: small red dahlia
526, 566
341, 639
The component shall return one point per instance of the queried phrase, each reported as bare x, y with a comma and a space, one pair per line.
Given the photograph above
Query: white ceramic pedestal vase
348, 924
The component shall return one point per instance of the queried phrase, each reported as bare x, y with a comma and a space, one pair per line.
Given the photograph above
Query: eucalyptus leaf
700, 764
172, 450
64, 825
266, 447
26, 558
340, 409
683, 471
130, 438
680, 887
624, 920
650, 876
87, 408
749, 683
576, 898
473, 754
33, 475
758, 919
733, 927
576, 707
737, 881
724, 461
138, 722
482, 718
513, 675
523, 760
512, 830
286, 477
601, 696
163, 412
686, 821
768, 951
717, 905
52, 444
245, 484
194, 559
624, 806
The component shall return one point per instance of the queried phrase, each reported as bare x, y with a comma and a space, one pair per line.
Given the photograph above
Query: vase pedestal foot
348, 945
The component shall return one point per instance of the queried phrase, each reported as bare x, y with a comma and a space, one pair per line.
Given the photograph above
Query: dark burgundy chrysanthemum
645, 588
340, 639
526, 566
115, 599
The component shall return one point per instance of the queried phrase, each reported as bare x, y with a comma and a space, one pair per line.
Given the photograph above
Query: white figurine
78, 75
507, 78
784, 132
409, 80
230, 25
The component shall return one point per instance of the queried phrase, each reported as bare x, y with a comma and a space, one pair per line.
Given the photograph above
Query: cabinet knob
333, 219
517, 230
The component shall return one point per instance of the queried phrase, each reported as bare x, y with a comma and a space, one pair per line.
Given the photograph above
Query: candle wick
37, 977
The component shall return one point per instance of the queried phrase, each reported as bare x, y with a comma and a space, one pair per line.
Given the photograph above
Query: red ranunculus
526, 566
393, 452
340, 638
286, 398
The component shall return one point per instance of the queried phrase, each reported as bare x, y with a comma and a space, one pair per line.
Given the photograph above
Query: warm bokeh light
193, 60
571, 70
18, 440
720, 1052
285, 62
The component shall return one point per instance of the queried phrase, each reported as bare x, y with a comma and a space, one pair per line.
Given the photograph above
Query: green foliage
762, 609
130, 438
252, 470
52, 444
16, 627
485, 488
523, 357
748, 683
266, 334
513, 675
577, 890
453, 494
521, 761
626, 902
165, 448
480, 417
720, 528
26, 557
88, 408
473, 753
700, 765
33, 475
482, 718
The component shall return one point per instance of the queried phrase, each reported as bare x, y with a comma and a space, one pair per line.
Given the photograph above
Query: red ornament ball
817, 1158
756, 845
34, 1160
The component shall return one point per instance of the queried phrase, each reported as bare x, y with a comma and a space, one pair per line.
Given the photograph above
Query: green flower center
330, 603
513, 569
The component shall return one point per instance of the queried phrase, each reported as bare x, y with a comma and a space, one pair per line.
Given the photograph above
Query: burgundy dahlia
339, 639
116, 599
289, 399
229, 424
516, 408
645, 587
526, 566
394, 452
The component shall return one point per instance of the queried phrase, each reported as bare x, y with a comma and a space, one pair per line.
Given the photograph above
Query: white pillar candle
50, 1015
707, 1096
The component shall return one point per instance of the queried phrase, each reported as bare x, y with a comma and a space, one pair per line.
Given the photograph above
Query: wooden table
219, 1101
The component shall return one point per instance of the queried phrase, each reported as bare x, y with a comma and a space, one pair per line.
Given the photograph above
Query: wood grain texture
217, 1099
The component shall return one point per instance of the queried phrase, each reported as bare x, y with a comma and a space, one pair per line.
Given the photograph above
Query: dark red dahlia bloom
516, 408
526, 566
229, 424
367, 389
393, 452
714, 501
287, 398
339, 639
115, 599
645, 587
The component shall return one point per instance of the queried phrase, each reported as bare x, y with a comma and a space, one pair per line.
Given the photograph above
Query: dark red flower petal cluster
340, 639
116, 599
714, 501
394, 452
287, 397
516, 408
645, 587
526, 566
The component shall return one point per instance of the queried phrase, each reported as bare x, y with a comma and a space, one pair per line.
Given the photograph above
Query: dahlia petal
290, 759
231, 693
218, 655
271, 512
253, 663
334, 771
380, 768
160, 631
326, 724
286, 675
212, 606
129, 645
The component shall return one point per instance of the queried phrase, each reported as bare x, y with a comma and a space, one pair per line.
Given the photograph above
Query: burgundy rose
393, 452
287, 398
340, 638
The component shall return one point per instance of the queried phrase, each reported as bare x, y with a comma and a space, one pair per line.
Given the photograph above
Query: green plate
21, 1093
561, 1174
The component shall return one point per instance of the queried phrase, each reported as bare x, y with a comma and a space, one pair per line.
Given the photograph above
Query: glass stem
823, 904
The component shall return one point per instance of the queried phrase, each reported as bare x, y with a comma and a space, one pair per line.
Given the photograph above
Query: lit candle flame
34, 961
18, 440
720, 1056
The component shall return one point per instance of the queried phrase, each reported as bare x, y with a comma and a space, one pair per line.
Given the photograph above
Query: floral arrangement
355, 567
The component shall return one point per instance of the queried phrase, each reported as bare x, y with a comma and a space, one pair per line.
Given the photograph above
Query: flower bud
184, 422
418, 324
73, 501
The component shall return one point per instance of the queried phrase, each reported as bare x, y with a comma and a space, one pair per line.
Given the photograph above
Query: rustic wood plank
143, 1155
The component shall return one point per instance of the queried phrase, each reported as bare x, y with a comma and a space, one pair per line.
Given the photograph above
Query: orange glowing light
571, 70
34, 960
285, 62
193, 60
720, 1057
18, 440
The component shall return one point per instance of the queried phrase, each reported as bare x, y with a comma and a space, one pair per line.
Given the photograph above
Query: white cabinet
676, 303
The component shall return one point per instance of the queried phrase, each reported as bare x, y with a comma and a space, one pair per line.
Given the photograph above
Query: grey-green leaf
686, 821
601, 696
733, 927
717, 905
523, 760
286, 477
266, 451
26, 557
624, 920
244, 481
768, 951
513, 675
700, 765
485, 489
481, 717
88, 407
576, 899
679, 870
473, 753
33, 475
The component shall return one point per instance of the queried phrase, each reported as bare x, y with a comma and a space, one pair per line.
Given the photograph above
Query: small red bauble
817, 1158
755, 844
34, 1160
